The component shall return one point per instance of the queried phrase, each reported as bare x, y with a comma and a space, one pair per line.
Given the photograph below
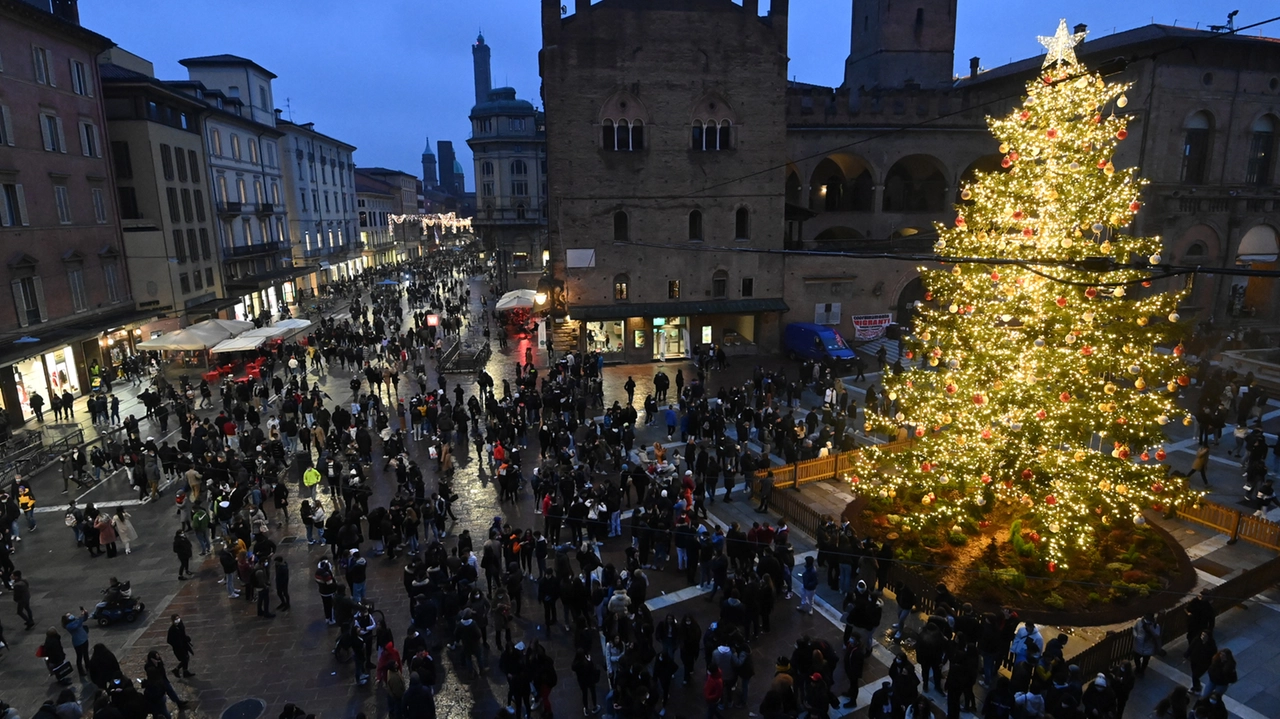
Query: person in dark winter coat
182, 548
418, 701
182, 647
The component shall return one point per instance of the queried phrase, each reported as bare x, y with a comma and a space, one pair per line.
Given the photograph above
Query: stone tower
897, 42
480, 61
429, 181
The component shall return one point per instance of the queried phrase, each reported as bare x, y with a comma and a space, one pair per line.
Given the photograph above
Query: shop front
56, 371
671, 331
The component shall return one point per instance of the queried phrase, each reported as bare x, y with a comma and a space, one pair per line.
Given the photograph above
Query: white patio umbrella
514, 299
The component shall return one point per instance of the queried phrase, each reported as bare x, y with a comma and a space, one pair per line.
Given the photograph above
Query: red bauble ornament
1062, 301
1087, 351
1091, 292
1160, 455
1028, 474
1124, 453
1051, 133
1102, 164
1053, 566
919, 431
1041, 414
986, 479
1121, 134
1146, 283
909, 354
983, 524
1158, 507
1027, 232
1178, 350
1157, 487
1146, 456
979, 399
1183, 380
1024, 116
1134, 206
928, 296
951, 389
960, 221
995, 276
1005, 161
968, 309
1050, 499
1097, 119
1014, 156
1034, 536
1065, 396
925, 467
986, 433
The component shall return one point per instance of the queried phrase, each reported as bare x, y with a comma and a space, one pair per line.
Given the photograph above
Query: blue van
816, 342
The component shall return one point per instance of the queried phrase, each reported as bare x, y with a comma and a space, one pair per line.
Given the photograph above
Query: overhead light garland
1047, 393
445, 221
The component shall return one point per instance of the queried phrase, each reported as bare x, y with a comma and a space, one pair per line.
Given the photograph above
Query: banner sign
870, 327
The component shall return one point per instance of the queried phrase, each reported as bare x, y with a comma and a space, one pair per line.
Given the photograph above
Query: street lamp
543, 292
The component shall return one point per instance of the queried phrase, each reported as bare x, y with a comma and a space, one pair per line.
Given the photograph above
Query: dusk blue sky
385, 74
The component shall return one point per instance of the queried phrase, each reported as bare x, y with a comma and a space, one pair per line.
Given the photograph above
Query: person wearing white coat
125, 529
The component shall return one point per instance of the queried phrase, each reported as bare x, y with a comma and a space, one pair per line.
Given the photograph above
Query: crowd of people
371, 474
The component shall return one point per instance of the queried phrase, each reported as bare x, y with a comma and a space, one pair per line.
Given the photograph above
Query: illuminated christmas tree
1040, 378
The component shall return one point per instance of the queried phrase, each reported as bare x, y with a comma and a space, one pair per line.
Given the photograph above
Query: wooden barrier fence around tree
1234, 523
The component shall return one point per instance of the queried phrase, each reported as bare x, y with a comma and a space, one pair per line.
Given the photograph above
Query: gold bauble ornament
1143, 321
1109, 388
1140, 384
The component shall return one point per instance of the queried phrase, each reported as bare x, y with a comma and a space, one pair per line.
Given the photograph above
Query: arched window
519, 168
1196, 251
621, 288
712, 125
622, 121
621, 227
695, 225
742, 224
1262, 147
726, 135
720, 284
1195, 148
486, 168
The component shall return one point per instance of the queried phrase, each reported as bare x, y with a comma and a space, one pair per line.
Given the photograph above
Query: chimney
1080, 27
67, 10
973, 66
279, 114
752, 7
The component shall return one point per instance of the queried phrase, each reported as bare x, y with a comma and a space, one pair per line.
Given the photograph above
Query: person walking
22, 597
182, 548
766, 493
808, 585
1146, 643
282, 583
1200, 464
182, 646
124, 528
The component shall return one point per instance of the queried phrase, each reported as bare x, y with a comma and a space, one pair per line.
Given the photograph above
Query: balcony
264, 248
230, 208
264, 208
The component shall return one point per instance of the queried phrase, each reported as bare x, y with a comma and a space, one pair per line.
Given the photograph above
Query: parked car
817, 342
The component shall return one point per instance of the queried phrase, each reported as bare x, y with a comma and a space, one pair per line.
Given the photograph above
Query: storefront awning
41, 338
239, 344
622, 310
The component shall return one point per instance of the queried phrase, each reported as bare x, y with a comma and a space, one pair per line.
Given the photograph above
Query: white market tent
199, 336
514, 299
254, 339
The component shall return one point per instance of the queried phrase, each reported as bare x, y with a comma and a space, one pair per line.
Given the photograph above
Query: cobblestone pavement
288, 659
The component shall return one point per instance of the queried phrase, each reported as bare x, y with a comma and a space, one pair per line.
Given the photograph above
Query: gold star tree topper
1061, 46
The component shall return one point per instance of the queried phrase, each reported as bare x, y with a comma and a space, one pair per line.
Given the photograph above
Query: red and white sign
433, 320
870, 327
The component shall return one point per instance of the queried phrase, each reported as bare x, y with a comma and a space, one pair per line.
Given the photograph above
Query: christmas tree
1041, 377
